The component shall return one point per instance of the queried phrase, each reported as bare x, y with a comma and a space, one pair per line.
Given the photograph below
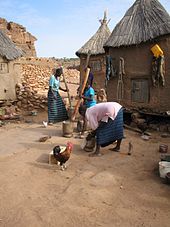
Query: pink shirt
101, 112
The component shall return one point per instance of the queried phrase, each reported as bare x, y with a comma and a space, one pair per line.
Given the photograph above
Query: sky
63, 26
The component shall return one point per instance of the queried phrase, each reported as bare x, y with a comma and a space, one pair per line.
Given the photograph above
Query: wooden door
140, 90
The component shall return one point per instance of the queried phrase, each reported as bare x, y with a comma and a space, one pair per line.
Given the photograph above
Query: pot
163, 148
67, 129
164, 168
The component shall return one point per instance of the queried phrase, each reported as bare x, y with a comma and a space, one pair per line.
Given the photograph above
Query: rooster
141, 123
62, 156
143, 126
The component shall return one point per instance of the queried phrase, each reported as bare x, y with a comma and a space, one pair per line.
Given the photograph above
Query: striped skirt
108, 132
56, 108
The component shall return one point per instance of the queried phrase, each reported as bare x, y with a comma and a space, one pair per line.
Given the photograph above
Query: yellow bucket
156, 50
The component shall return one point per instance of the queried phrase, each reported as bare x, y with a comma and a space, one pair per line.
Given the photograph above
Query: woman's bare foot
116, 149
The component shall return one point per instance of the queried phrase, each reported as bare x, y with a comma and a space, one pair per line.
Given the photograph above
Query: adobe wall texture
9, 77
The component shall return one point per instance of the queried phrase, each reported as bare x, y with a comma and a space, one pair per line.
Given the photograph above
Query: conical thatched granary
9, 70
141, 77
94, 51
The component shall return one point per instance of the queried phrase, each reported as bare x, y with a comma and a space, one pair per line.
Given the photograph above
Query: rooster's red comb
70, 144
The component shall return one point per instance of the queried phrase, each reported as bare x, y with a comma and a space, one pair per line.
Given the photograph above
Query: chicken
62, 156
143, 126
141, 123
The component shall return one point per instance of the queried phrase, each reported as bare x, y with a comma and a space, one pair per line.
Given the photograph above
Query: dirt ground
112, 190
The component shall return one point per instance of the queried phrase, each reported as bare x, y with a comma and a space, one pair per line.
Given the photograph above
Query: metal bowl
168, 113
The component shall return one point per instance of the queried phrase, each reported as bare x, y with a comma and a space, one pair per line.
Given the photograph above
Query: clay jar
163, 148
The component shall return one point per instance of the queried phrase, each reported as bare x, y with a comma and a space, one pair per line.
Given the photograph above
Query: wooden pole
87, 60
86, 65
69, 98
81, 93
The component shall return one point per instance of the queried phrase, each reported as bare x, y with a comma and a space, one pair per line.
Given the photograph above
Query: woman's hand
62, 89
91, 135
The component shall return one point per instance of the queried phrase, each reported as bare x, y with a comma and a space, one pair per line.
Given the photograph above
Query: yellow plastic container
156, 50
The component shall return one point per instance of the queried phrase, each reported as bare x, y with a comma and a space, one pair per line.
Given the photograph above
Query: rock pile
32, 92
72, 76
36, 77
29, 99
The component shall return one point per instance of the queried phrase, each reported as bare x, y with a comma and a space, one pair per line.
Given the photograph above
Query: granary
92, 53
138, 64
9, 69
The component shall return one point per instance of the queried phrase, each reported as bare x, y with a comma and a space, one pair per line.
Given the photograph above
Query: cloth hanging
158, 65
110, 71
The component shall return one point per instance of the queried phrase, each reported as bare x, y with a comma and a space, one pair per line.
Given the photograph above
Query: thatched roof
145, 20
8, 49
96, 42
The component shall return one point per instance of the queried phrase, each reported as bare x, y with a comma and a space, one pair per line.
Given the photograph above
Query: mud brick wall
18, 34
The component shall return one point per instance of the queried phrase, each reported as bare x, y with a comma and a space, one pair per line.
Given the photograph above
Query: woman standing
56, 108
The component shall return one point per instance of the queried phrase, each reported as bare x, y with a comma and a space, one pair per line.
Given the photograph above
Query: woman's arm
62, 89
90, 98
